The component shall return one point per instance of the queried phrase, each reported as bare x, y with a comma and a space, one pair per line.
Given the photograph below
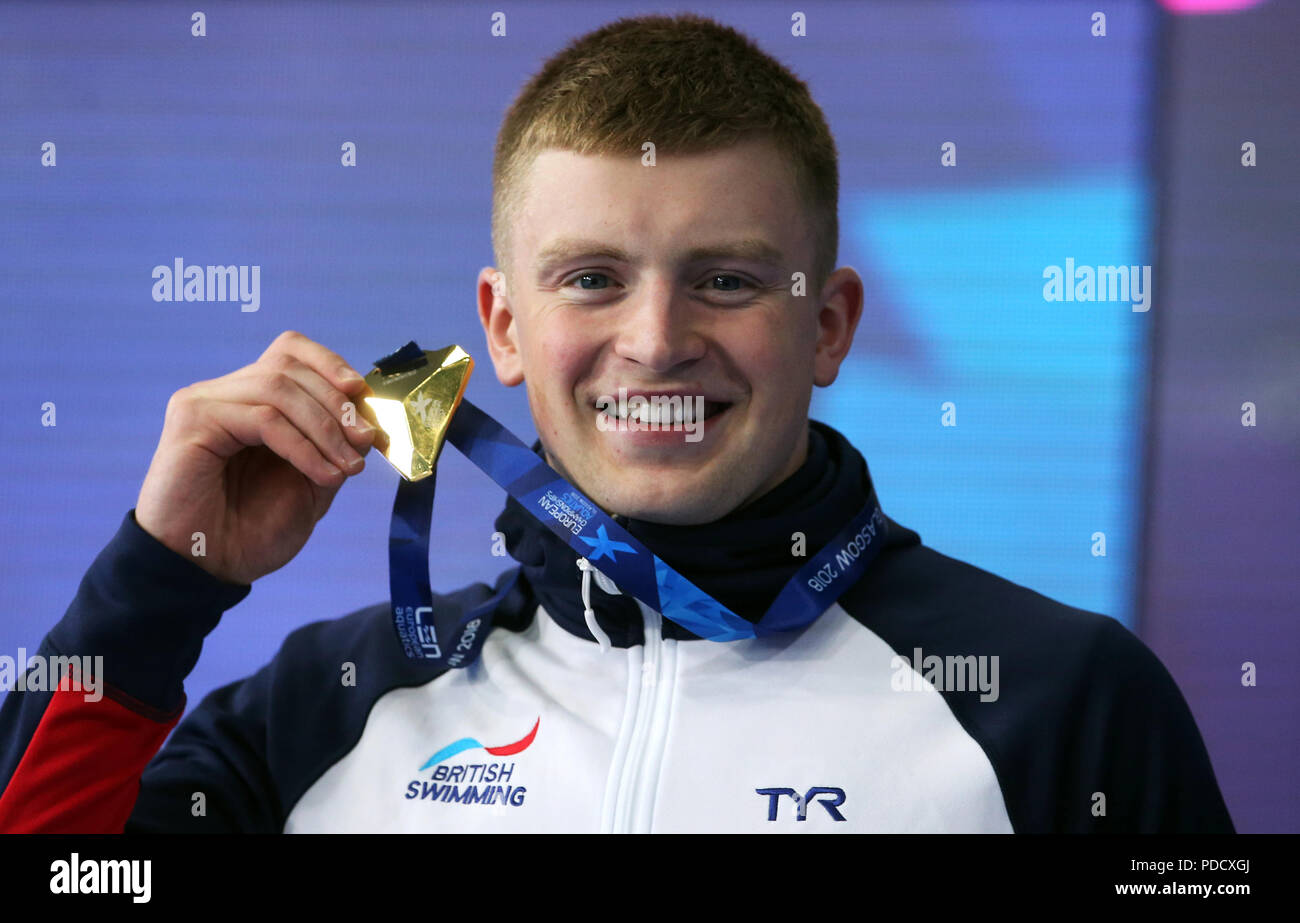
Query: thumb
322, 498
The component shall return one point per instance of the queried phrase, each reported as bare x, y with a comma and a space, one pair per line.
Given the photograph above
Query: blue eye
737, 279
599, 281
592, 275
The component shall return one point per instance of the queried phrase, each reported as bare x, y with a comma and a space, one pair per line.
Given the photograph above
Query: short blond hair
687, 83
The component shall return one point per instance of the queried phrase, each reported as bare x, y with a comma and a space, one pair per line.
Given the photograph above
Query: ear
837, 321
498, 320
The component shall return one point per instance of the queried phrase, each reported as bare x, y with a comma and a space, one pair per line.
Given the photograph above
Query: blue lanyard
455, 639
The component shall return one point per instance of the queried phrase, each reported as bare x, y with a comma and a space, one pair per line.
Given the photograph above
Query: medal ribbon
593, 534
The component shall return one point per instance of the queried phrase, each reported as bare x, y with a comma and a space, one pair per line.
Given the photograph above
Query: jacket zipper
651, 682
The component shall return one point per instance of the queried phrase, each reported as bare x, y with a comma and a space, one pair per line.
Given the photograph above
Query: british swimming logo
469, 743
487, 782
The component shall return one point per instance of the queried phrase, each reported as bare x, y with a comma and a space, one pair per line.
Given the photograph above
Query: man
664, 225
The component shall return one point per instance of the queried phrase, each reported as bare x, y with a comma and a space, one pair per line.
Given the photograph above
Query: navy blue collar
742, 560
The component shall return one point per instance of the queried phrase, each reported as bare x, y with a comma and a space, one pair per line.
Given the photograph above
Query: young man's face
667, 279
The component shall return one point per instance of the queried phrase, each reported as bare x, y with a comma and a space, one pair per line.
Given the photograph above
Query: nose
659, 328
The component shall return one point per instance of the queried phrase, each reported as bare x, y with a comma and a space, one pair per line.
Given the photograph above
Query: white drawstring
589, 613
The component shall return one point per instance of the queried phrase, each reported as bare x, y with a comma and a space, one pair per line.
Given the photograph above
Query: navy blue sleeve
1135, 741
71, 761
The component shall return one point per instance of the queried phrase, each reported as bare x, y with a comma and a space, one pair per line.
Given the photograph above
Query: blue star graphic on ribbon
677, 593
692, 608
604, 545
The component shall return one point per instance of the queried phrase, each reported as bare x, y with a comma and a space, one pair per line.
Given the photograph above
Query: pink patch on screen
1208, 6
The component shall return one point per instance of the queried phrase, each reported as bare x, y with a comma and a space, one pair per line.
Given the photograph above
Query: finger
263, 424
327, 363
357, 429
265, 386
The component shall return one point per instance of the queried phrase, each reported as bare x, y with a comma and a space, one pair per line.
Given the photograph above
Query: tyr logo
834, 797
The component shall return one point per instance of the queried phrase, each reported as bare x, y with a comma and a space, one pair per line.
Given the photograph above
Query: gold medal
415, 395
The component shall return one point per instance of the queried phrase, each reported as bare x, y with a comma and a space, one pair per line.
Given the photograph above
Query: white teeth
659, 412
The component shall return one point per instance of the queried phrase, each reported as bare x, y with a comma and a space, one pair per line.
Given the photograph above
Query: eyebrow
751, 249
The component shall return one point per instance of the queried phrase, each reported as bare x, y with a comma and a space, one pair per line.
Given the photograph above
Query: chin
669, 495
687, 508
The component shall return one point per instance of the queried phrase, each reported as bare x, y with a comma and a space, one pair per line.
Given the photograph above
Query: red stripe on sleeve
81, 771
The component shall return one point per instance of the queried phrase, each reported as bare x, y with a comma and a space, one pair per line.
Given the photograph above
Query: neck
796, 461
742, 559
